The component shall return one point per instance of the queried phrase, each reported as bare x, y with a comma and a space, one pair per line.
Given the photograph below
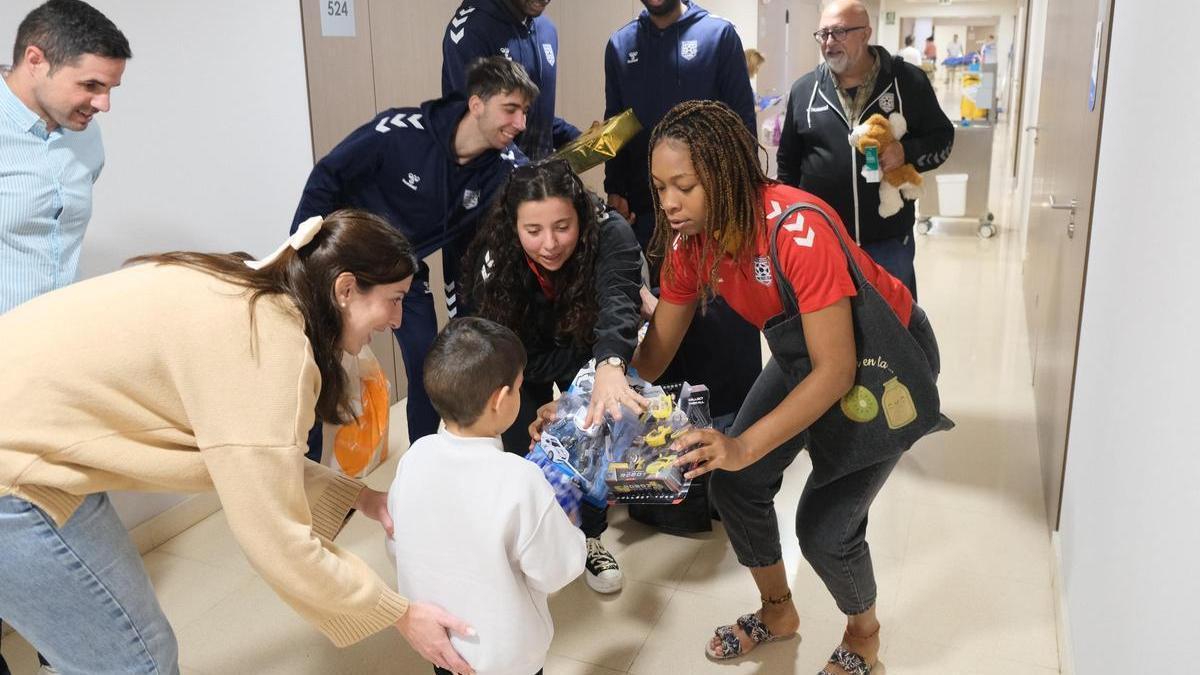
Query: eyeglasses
838, 34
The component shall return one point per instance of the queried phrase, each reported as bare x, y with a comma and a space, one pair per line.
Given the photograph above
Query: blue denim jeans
79, 593
897, 256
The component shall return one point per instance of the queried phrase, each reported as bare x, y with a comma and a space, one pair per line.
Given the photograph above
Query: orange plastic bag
361, 444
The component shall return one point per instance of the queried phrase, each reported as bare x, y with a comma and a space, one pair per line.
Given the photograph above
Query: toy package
642, 466
627, 460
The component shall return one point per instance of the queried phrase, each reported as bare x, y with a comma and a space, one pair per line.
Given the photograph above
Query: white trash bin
952, 194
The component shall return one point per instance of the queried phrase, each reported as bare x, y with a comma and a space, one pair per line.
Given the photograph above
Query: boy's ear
499, 397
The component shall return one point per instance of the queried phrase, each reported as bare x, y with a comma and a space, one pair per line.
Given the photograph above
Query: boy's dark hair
66, 30
908, 40
491, 75
469, 360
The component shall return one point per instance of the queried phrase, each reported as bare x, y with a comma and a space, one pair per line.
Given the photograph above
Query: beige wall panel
406, 43
341, 89
583, 31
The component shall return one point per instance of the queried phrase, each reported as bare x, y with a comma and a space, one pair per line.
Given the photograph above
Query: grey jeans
831, 520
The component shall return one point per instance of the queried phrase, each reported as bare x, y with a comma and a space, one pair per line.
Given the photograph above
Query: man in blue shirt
676, 51
516, 30
432, 172
66, 60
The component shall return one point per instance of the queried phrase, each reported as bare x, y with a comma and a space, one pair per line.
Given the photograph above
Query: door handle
1063, 207
1066, 207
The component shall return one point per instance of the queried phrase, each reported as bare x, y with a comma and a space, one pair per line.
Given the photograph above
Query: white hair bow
305, 233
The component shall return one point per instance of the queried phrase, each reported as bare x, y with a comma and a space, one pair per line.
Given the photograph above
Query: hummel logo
795, 227
457, 21
401, 121
412, 180
506, 52
632, 58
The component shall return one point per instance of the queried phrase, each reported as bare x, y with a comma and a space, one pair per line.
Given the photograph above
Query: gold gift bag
600, 143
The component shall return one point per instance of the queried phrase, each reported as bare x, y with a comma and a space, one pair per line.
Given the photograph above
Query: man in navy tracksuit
516, 30
676, 51
431, 171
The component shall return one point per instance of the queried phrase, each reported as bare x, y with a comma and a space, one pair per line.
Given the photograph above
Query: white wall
742, 13
208, 141
1130, 538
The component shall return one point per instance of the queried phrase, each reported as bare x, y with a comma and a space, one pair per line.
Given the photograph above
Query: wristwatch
614, 361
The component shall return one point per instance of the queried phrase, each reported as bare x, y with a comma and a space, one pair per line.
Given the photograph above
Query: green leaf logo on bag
860, 404
898, 406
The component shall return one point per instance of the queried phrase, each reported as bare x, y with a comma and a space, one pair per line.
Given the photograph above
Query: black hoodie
815, 152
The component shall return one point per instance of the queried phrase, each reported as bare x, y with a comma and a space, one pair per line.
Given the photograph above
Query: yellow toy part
658, 437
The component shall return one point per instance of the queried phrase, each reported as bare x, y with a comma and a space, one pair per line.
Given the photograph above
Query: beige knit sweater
155, 378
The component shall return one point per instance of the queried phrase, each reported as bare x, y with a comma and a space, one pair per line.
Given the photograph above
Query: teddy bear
900, 183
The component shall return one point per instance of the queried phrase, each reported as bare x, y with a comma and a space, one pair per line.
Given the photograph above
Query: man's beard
839, 64
665, 9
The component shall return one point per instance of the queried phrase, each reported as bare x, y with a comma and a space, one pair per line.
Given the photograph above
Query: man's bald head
850, 17
851, 11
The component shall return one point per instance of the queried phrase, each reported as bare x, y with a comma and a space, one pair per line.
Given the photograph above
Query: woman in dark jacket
563, 271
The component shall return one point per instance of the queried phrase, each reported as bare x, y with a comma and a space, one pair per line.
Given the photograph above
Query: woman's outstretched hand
609, 392
426, 627
710, 450
373, 504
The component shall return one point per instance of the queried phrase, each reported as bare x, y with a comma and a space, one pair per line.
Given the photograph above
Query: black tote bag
894, 401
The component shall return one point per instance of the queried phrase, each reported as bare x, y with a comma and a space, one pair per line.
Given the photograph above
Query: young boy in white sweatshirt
477, 530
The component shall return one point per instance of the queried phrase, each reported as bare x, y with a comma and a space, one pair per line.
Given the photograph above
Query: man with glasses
856, 81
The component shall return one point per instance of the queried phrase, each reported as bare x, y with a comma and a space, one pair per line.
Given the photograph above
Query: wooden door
1060, 218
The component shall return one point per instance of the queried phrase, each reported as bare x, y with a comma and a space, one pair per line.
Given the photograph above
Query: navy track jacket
489, 28
402, 166
699, 57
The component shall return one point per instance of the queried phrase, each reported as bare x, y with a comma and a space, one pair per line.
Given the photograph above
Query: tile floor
959, 537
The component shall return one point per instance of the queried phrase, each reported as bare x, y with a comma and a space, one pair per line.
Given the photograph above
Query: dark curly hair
497, 280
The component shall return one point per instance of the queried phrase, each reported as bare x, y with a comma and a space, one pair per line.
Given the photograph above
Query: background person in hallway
676, 51
713, 229
855, 81
954, 50
910, 54
67, 58
516, 30
431, 172
930, 49
160, 405
564, 273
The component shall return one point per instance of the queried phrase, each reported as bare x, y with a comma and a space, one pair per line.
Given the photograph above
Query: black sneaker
603, 573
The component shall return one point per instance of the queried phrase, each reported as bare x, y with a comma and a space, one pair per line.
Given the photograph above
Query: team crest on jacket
506, 53
549, 53
887, 102
688, 49
470, 199
762, 270
412, 181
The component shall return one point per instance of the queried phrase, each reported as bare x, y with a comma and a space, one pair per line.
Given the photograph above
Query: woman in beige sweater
190, 372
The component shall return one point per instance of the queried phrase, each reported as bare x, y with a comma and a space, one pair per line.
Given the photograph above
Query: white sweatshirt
479, 533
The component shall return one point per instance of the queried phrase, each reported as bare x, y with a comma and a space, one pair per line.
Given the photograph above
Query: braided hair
726, 158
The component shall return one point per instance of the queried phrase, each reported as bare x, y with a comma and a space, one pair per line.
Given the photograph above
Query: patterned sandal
752, 626
853, 664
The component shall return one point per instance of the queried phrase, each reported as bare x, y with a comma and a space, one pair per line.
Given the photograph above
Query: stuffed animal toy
898, 184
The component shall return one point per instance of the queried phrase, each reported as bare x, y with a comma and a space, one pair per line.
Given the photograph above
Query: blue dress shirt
46, 182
